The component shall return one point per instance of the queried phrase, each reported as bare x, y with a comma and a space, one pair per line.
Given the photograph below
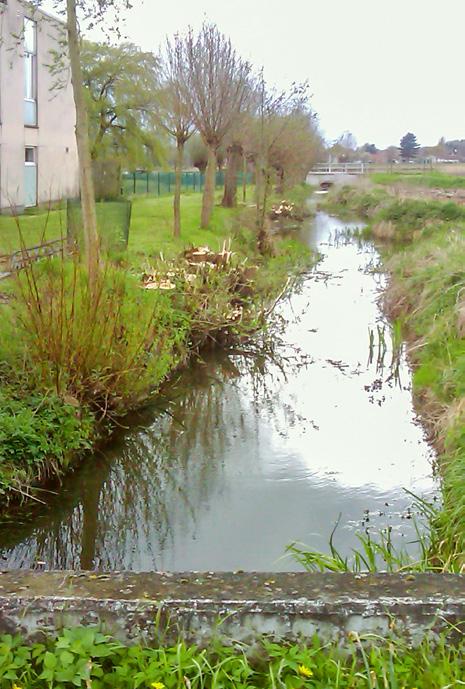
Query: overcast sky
376, 68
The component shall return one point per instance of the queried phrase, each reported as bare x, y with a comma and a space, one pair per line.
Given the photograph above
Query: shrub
38, 431
104, 344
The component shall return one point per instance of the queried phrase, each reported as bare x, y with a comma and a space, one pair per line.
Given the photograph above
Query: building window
30, 177
30, 155
30, 72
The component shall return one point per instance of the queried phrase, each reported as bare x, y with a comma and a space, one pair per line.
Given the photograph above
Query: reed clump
101, 343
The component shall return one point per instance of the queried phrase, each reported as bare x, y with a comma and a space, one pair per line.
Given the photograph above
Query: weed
84, 657
377, 552
33, 430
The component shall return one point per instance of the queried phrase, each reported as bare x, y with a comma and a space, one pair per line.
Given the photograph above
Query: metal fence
113, 220
24, 257
162, 183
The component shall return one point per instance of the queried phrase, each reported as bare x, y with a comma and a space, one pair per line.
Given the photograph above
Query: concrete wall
158, 608
54, 135
337, 179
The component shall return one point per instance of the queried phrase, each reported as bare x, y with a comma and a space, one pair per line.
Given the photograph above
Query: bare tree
272, 122
216, 84
89, 213
174, 113
91, 12
297, 149
235, 153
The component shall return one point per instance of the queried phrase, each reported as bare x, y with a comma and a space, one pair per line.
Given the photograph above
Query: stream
250, 452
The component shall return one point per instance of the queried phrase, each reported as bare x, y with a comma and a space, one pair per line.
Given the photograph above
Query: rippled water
249, 454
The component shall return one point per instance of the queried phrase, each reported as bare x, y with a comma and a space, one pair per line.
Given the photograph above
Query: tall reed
103, 343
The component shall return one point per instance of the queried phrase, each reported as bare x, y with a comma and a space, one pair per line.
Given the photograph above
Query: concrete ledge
157, 608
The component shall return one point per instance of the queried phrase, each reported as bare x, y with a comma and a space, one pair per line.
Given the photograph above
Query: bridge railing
362, 168
342, 168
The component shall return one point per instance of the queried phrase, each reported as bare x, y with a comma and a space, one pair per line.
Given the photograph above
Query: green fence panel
113, 220
163, 183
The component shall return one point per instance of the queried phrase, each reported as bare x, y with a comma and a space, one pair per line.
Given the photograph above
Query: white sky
378, 69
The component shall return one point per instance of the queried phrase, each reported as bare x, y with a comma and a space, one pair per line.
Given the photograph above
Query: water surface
248, 454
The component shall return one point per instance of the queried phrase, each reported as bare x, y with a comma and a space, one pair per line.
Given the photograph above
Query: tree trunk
244, 177
280, 182
177, 188
230, 179
264, 243
259, 189
208, 199
89, 215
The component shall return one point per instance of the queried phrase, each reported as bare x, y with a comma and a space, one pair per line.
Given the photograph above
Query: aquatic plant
378, 553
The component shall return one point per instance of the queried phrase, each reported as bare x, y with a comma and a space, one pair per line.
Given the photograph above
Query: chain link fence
162, 183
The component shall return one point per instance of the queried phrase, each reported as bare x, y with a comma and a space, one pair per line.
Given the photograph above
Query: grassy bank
78, 357
391, 218
432, 180
84, 657
425, 258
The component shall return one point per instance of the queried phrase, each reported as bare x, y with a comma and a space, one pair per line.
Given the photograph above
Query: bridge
359, 168
330, 174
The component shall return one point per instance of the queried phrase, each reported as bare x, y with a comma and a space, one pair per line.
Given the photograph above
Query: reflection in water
249, 454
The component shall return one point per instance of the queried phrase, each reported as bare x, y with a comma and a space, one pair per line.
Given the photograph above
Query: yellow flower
305, 671
15, 686
157, 685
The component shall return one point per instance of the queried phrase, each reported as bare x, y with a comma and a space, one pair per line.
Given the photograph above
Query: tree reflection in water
119, 509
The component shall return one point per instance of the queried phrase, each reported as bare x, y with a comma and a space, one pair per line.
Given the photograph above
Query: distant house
38, 155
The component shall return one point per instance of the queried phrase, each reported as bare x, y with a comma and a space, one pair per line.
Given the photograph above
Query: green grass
152, 225
376, 552
349, 200
433, 179
84, 657
392, 218
150, 231
35, 228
